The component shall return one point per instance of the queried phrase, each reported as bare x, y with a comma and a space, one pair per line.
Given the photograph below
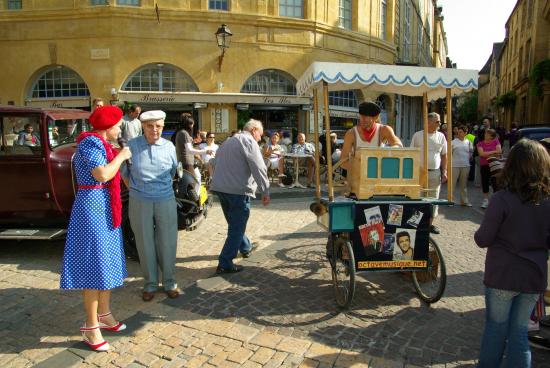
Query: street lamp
223, 38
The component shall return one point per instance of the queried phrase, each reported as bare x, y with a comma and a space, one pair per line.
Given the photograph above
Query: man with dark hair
368, 133
403, 241
131, 125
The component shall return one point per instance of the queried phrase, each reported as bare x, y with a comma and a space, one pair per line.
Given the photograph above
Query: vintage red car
38, 187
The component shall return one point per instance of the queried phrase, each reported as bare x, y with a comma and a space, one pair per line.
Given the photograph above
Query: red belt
98, 186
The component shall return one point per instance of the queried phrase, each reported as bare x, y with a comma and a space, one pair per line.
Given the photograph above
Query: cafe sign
212, 98
58, 103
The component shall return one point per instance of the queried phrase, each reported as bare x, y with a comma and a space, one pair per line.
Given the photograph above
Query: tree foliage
467, 110
539, 73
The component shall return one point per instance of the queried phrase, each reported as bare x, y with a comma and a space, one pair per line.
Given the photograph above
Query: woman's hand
125, 153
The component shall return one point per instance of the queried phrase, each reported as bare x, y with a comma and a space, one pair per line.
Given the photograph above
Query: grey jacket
240, 167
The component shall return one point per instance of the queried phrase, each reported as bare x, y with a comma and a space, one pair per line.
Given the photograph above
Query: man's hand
265, 200
443, 177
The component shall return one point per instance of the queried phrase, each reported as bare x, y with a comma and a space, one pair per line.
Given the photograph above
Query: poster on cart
391, 236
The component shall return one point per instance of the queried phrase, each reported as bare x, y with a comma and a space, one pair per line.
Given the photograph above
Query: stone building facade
163, 54
526, 44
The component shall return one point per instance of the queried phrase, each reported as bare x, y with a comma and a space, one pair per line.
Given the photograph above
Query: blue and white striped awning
403, 80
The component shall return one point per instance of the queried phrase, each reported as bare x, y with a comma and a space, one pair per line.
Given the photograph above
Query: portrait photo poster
415, 219
387, 247
373, 215
403, 247
395, 215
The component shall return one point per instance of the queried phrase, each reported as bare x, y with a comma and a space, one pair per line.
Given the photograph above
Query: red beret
105, 117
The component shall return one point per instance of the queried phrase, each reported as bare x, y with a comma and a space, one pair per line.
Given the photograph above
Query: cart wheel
430, 284
343, 272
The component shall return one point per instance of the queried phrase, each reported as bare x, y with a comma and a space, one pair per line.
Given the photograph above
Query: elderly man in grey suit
240, 171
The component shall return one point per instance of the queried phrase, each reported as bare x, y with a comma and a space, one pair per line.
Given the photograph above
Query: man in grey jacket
240, 171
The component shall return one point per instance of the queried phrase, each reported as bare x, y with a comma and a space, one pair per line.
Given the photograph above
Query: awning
403, 80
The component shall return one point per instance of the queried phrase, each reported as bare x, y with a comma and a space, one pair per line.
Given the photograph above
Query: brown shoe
147, 296
172, 294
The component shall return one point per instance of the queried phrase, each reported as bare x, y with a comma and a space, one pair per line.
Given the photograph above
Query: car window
20, 136
64, 131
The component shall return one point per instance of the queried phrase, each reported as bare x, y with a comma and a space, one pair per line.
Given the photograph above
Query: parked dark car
534, 133
38, 185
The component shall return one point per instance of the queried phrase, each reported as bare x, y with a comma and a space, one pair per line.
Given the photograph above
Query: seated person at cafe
273, 156
303, 147
27, 137
69, 133
208, 158
368, 133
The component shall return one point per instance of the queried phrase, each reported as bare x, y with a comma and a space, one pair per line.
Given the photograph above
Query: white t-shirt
461, 152
205, 157
437, 146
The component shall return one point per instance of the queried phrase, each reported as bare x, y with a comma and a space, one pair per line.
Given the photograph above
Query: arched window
345, 98
270, 82
59, 81
160, 78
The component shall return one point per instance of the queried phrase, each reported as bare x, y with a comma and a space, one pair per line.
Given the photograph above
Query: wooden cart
384, 226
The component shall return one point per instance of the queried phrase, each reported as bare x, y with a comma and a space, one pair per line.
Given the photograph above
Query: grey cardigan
240, 167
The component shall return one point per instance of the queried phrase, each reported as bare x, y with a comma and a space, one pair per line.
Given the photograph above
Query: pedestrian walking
152, 209
93, 260
515, 232
185, 151
489, 147
462, 153
240, 171
437, 160
131, 125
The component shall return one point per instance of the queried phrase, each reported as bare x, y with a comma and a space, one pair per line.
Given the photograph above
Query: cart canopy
403, 80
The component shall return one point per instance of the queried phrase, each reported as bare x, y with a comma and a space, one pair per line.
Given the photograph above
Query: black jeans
487, 179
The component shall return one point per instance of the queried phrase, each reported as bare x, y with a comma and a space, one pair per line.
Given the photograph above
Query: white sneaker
485, 203
281, 185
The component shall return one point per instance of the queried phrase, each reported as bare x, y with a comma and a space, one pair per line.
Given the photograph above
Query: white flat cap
152, 115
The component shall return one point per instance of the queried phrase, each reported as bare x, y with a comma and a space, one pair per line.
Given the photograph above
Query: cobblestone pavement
279, 311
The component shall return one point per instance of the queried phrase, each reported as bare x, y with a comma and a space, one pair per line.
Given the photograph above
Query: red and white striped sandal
101, 346
119, 326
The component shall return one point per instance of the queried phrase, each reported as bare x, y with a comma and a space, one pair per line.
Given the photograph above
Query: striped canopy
403, 80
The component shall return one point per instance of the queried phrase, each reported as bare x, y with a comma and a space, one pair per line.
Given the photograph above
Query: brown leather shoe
172, 294
147, 296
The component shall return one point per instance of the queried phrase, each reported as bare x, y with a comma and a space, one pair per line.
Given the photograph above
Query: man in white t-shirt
437, 160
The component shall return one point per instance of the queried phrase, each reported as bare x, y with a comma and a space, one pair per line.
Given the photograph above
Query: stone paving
279, 312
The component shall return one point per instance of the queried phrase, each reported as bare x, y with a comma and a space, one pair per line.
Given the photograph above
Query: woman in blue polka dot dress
94, 257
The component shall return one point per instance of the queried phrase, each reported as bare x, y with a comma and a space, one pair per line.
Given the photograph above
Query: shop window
20, 136
160, 78
342, 98
128, 2
15, 4
344, 18
59, 82
218, 5
99, 2
270, 82
291, 8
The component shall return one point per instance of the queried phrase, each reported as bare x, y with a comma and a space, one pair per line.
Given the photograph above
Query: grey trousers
434, 186
155, 225
460, 175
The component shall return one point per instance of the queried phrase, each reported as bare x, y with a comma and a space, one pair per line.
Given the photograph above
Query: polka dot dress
94, 255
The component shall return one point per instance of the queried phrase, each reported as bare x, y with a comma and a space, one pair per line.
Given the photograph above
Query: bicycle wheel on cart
430, 284
342, 264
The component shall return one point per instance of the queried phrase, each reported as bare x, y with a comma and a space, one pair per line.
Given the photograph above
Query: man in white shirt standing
131, 125
437, 160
